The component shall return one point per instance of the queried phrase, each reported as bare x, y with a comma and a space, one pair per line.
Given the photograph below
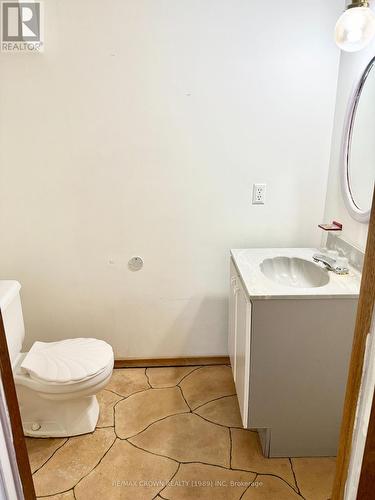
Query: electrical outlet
259, 194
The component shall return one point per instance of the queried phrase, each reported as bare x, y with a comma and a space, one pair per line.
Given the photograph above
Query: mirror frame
352, 207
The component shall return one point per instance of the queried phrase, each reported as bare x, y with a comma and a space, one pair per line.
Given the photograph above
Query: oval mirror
358, 149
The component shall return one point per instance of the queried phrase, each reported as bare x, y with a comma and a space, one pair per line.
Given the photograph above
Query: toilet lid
67, 360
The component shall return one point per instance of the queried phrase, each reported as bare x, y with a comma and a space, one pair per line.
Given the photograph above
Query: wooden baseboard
160, 362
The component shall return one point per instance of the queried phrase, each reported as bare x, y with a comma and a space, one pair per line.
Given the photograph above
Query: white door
242, 363
10, 483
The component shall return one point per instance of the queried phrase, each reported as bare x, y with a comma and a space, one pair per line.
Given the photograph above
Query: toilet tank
11, 311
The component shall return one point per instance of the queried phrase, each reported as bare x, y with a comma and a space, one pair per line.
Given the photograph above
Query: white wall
351, 69
140, 132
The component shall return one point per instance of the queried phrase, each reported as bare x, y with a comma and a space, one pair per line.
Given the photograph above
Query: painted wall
351, 68
140, 131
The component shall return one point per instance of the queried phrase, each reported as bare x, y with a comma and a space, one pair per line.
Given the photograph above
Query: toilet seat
67, 362
70, 390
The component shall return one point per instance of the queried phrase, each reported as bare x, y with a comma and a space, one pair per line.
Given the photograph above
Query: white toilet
56, 382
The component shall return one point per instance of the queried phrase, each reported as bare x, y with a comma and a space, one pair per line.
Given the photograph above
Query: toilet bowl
56, 382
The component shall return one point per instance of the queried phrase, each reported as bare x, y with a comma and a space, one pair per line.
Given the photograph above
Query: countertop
259, 287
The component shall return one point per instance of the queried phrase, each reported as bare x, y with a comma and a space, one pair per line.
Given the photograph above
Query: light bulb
355, 28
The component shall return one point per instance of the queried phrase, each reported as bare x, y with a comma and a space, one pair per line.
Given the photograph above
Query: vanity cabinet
290, 358
239, 340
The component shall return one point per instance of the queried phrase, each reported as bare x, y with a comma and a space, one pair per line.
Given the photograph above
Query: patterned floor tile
206, 384
137, 412
128, 381
68, 495
224, 411
72, 462
40, 450
107, 401
247, 454
194, 450
126, 473
206, 482
315, 476
168, 377
187, 438
270, 488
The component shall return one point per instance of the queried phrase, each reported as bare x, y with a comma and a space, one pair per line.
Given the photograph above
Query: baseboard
160, 362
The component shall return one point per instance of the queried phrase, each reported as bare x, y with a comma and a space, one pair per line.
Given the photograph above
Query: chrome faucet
331, 264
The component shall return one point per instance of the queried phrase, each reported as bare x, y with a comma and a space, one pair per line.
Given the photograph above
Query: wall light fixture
355, 28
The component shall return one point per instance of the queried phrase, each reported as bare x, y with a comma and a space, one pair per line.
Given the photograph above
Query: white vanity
291, 326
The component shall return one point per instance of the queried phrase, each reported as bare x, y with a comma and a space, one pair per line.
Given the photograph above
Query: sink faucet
331, 264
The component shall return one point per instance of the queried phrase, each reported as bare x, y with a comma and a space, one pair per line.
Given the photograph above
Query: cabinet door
242, 355
233, 290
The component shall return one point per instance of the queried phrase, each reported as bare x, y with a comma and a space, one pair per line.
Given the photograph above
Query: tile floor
176, 434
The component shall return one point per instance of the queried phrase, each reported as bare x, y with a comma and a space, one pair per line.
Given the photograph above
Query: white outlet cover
259, 194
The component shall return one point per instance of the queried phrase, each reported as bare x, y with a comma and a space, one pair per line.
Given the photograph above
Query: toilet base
43, 417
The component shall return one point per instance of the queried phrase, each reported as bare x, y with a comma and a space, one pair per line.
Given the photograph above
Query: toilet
56, 382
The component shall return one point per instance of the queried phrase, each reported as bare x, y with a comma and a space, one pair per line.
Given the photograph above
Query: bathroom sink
293, 271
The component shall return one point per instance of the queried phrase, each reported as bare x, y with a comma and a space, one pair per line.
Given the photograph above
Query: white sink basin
288, 273
293, 271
